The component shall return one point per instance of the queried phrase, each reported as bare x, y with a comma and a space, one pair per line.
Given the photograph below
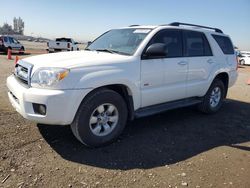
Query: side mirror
157, 50
88, 43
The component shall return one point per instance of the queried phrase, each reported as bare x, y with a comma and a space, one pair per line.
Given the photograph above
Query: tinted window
196, 44
172, 39
11, 40
225, 44
5, 39
63, 40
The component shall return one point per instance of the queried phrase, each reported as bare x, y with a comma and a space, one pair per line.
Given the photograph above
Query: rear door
164, 79
201, 62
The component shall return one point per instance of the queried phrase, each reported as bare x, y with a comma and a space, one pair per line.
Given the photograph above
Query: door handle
210, 61
182, 63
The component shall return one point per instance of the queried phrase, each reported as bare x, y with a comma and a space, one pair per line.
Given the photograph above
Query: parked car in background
62, 44
8, 42
244, 58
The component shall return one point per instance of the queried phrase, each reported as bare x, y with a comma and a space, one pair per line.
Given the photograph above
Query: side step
155, 109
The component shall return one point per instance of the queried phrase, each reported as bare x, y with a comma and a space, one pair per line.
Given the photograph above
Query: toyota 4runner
124, 74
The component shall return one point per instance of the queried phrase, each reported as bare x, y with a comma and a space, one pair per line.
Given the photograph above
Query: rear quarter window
224, 43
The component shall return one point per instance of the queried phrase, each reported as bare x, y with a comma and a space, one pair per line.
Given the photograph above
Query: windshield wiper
107, 50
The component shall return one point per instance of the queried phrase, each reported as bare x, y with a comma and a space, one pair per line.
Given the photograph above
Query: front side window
11, 40
122, 41
172, 39
196, 44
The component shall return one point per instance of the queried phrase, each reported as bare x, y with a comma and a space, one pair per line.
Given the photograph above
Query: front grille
22, 72
22, 80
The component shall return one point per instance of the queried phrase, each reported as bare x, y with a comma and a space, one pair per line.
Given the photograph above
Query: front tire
22, 50
214, 97
100, 118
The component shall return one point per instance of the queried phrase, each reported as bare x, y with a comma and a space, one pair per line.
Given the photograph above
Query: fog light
39, 108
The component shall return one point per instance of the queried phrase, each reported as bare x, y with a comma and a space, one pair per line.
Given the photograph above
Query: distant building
18, 24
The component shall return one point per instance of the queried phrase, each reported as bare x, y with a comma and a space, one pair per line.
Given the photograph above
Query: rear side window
172, 39
196, 44
224, 43
5, 39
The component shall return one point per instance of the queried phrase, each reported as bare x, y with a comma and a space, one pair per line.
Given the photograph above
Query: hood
75, 59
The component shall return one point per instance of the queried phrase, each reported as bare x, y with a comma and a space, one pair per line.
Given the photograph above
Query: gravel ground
179, 148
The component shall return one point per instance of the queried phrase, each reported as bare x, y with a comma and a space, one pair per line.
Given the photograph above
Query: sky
86, 20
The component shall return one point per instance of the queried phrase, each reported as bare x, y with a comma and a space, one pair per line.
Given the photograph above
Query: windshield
122, 41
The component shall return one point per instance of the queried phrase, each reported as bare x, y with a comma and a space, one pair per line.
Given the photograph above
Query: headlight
46, 77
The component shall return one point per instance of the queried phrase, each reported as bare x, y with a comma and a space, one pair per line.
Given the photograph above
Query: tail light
238, 62
68, 45
1, 41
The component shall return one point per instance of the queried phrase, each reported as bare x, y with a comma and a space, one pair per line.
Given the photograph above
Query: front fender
104, 77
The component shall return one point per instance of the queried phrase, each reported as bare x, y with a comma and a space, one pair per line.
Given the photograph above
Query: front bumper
61, 105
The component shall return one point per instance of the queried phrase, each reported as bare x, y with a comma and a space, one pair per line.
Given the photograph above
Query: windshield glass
122, 41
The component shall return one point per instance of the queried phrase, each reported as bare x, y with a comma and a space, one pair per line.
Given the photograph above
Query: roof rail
133, 25
212, 28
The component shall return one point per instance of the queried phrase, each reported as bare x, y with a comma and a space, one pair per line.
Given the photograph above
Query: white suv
124, 74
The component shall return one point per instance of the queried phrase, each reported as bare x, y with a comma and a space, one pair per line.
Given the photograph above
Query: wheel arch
224, 77
123, 90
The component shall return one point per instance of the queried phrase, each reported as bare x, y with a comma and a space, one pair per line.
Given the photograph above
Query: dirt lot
178, 148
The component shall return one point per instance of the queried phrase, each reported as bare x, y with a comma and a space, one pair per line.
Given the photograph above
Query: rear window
63, 40
224, 43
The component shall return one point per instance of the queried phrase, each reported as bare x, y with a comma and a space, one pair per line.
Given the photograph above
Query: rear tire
214, 97
242, 62
100, 118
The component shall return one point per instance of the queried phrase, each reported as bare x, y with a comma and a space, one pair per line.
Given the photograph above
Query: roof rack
133, 25
212, 28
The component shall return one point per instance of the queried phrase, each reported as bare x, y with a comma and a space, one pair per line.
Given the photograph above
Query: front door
164, 79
